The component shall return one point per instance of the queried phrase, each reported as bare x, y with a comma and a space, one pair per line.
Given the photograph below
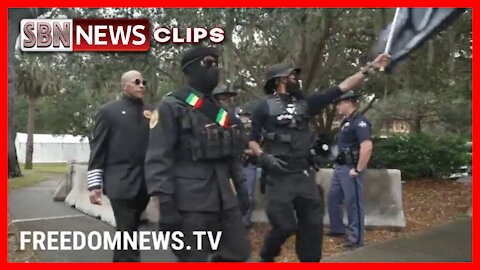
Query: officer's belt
274, 136
208, 108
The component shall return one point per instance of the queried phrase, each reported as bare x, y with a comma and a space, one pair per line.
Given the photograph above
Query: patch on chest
284, 116
291, 108
347, 124
288, 113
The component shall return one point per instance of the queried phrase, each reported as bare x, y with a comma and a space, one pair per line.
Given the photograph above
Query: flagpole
392, 30
390, 35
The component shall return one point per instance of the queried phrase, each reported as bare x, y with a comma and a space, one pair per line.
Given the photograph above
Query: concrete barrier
383, 198
65, 185
78, 197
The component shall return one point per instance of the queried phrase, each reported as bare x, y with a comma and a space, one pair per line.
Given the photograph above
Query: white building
49, 148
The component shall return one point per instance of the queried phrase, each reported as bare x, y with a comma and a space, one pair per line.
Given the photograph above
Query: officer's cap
278, 72
350, 95
196, 53
224, 89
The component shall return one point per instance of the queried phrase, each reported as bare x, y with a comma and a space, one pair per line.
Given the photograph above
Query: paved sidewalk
450, 242
33, 209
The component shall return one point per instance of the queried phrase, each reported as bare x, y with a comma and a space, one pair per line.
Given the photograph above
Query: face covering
203, 79
294, 89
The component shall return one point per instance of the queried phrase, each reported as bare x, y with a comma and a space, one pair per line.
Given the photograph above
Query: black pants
294, 205
127, 214
234, 243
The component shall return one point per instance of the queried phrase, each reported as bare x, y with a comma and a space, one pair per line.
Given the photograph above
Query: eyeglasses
209, 62
138, 82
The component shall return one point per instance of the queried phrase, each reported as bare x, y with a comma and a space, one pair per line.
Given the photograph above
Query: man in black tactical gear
117, 153
192, 160
354, 142
294, 204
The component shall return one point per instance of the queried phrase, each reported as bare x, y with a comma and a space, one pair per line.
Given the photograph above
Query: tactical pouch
195, 149
211, 142
226, 143
237, 140
278, 144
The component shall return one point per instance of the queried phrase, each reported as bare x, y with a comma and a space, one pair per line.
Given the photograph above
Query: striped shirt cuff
94, 178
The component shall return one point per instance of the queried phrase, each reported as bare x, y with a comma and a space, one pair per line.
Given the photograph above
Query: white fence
49, 148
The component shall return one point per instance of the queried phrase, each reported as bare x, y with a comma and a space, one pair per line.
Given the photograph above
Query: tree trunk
417, 124
13, 31
15, 15
32, 104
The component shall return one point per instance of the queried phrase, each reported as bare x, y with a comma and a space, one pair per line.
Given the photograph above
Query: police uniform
193, 159
249, 172
294, 204
344, 189
117, 153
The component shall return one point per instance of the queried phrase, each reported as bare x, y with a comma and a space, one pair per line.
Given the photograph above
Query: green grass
29, 178
47, 167
39, 173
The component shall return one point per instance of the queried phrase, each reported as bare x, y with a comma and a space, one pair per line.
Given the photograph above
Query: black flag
413, 27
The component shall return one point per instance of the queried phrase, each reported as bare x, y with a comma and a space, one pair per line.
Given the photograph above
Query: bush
420, 155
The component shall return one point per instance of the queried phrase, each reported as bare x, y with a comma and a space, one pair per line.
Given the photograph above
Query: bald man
117, 153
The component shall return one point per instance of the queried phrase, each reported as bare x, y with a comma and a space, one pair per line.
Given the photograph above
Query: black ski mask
202, 76
294, 88
200, 66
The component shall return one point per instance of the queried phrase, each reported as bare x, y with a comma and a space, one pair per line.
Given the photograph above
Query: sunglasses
209, 62
138, 82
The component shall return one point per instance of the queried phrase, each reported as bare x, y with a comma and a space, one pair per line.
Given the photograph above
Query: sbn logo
84, 35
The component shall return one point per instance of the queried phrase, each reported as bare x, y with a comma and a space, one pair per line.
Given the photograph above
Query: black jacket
194, 185
117, 150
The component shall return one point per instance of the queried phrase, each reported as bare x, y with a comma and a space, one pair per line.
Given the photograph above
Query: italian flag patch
194, 100
222, 118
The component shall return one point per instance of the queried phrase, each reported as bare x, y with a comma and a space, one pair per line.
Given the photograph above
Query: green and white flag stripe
222, 118
193, 100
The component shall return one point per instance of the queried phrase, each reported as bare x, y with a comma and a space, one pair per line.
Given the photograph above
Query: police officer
294, 204
117, 152
192, 160
249, 169
354, 141
224, 95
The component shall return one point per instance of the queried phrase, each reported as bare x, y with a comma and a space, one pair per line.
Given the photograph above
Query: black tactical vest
291, 137
204, 140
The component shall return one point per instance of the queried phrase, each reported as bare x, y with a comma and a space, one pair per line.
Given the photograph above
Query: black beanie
195, 53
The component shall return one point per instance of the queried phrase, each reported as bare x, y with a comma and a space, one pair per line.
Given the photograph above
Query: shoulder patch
154, 119
362, 124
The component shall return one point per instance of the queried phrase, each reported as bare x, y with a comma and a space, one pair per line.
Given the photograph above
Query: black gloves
272, 163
